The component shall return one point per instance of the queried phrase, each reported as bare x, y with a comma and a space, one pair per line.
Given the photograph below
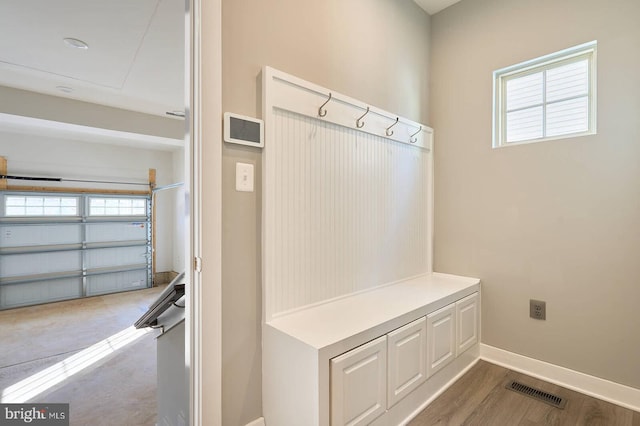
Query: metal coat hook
359, 122
412, 138
322, 112
389, 132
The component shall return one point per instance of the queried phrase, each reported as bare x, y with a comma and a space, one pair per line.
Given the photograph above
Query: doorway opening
107, 112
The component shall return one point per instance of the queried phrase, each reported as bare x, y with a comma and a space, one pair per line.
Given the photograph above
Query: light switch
244, 177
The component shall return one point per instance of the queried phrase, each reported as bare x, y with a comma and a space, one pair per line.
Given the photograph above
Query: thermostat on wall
243, 130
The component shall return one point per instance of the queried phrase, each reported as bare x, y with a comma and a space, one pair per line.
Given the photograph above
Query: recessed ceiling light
65, 89
75, 43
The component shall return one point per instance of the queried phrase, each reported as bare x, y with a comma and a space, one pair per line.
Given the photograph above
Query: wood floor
480, 398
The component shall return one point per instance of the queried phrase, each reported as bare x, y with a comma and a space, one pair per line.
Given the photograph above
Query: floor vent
543, 396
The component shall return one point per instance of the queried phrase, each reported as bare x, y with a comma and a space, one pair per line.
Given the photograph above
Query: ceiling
134, 60
434, 6
135, 54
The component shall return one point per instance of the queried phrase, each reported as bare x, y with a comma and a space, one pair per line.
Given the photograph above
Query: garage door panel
120, 256
15, 295
46, 256
40, 263
118, 281
34, 235
124, 231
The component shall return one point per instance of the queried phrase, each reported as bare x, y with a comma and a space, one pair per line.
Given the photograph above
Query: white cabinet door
441, 338
407, 367
359, 384
467, 321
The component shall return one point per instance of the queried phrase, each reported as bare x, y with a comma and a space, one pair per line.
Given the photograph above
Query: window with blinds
546, 98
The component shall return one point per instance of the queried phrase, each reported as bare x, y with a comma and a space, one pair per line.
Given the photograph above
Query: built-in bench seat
299, 346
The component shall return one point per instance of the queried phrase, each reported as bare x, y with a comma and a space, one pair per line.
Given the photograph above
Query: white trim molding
596, 387
204, 251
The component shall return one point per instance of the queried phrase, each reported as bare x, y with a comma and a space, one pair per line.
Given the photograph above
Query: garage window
117, 206
25, 205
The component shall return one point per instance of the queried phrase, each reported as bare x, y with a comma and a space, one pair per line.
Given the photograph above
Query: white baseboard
596, 387
257, 422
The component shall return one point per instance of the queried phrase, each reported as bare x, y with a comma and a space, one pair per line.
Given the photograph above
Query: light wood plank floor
480, 398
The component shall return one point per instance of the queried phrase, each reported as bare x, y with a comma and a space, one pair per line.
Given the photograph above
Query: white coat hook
323, 112
413, 138
359, 122
389, 132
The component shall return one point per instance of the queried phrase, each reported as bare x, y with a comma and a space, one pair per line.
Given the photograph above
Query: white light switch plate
244, 177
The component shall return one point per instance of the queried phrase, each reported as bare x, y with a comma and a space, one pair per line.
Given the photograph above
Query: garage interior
116, 365
92, 224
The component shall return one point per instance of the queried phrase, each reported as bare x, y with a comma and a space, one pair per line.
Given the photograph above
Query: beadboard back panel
345, 210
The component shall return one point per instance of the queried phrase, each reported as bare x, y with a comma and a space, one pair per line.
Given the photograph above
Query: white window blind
547, 98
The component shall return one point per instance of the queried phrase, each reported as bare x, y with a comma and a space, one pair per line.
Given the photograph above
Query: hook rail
322, 112
413, 138
359, 122
389, 132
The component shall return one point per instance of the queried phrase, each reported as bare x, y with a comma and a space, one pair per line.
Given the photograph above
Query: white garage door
62, 246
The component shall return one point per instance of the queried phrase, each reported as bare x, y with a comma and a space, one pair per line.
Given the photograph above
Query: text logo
34, 414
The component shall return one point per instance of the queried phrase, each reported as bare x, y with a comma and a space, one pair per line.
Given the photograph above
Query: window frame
145, 200
554, 60
82, 205
7, 196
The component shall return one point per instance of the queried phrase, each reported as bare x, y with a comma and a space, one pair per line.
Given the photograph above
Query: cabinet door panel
359, 384
441, 338
467, 319
407, 368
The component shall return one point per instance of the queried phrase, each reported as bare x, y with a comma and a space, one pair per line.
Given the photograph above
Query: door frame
203, 346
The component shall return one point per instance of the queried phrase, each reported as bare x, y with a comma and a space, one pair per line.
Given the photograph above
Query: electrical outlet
538, 309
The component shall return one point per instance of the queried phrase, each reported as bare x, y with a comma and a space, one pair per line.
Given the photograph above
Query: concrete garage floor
119, 389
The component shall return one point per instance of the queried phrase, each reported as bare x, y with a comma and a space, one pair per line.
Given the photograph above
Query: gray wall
373, 50
57, 108
557, 221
